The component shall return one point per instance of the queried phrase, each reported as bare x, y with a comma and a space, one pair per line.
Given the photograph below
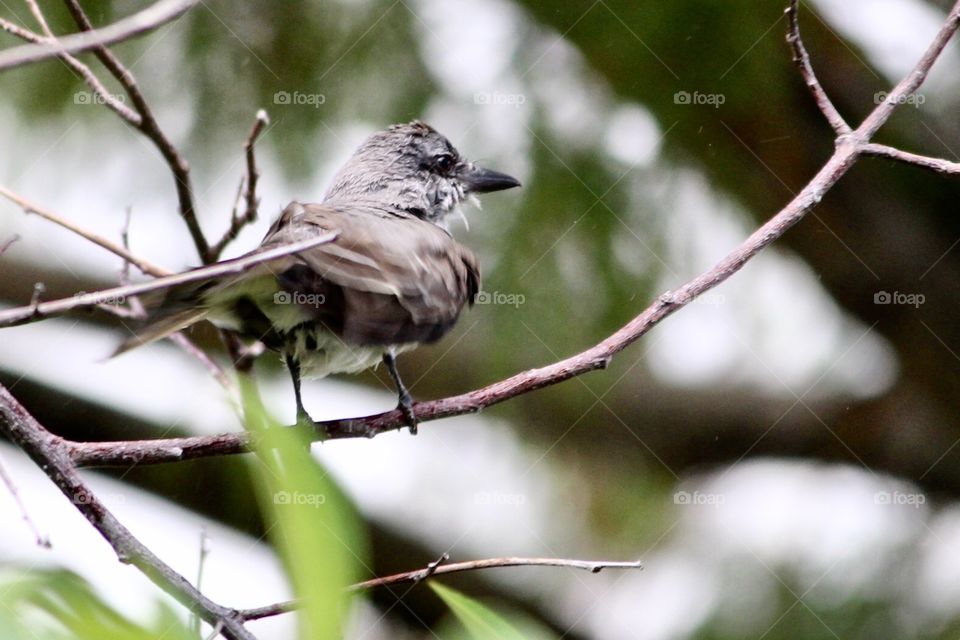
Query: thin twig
38, 310
204, 550
137, 311
436, 569
847, 151
8, 243
237, 223
209, 363
50, 453
39, 17
126, 29
42, 540
80, 69
151, 129
935, 164
38, 290
912, 81
802, 60
29, 207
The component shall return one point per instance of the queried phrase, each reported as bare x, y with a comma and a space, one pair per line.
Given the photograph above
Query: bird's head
413, 168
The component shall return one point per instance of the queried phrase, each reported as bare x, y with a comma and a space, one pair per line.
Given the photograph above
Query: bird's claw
406, 408
309, 425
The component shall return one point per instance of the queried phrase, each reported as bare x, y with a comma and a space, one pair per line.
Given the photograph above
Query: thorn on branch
431, 568
38, 289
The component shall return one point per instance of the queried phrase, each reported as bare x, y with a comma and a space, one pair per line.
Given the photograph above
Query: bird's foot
311, 426
406, 408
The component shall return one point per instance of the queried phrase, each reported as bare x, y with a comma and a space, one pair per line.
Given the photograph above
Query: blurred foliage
482, 623
315, 529
54, 604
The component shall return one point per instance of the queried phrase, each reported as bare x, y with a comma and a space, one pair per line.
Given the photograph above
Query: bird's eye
444, 162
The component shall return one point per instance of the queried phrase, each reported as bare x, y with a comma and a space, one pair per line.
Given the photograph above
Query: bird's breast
322, 353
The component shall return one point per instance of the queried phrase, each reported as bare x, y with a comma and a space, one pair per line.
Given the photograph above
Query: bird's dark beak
480, 180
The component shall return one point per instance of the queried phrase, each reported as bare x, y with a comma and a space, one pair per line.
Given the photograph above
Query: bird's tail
161, 327
169, 311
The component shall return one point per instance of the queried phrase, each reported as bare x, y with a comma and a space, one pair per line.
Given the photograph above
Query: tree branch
51, 454
41, 310
237, 223
80, 69
934, 164
802, 60
436, 569
41, 540
151, 129
912, 81
28, 207
126, 29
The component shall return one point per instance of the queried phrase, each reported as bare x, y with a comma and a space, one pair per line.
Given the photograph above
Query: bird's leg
406, 400
303, 418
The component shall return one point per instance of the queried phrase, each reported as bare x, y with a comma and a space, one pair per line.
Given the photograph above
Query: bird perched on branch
392, 279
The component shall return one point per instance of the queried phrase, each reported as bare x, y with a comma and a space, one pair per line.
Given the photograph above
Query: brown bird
392, 279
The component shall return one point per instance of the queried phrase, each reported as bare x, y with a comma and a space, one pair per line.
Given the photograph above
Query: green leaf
478, 619
58, 604
311, 523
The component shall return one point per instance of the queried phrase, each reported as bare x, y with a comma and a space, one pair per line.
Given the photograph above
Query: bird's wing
387, 277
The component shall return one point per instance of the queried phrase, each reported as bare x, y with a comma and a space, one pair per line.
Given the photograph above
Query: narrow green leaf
478, 619
313, 526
